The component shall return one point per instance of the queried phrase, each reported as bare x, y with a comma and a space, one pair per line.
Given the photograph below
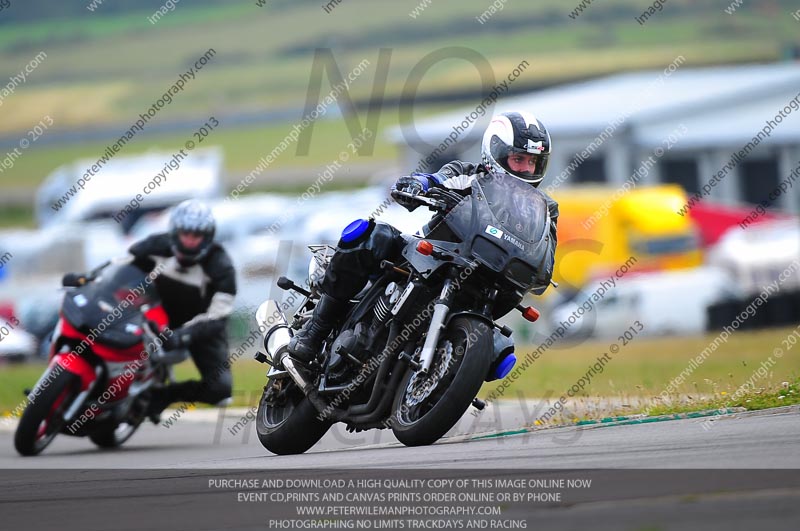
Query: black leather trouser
211, 358
355, 262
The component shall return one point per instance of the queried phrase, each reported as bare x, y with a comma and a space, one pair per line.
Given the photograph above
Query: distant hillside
105, 66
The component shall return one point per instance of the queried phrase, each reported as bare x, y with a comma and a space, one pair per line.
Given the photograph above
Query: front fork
89, 376
76, 405
440, 311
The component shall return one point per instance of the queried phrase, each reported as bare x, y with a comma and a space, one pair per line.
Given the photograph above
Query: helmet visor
521, 163
189, 246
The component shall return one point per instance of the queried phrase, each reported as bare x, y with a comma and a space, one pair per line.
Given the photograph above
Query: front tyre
286, 421
425, 408
43, 417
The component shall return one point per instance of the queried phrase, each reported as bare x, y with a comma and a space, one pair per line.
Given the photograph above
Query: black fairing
98, 298
505, 225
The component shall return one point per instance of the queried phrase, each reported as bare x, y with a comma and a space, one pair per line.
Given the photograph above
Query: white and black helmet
191, 216
516, 132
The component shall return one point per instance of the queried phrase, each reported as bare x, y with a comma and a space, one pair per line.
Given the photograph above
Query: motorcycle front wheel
425, 408
43, 417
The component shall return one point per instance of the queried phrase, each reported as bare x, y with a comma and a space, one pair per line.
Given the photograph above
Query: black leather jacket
200, 297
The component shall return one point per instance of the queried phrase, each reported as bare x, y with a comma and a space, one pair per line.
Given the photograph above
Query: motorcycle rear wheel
115, 435
292, 427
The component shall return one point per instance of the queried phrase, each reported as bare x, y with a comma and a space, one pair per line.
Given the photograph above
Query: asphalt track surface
761, 494
206, 439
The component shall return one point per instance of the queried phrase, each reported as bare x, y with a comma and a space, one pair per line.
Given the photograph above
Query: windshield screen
519, 207
514, 207
126, 282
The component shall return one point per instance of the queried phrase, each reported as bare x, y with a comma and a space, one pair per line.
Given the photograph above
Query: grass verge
733, 375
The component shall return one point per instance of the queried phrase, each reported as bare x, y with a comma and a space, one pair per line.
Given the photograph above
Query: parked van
664, 302
159, 183
598, 232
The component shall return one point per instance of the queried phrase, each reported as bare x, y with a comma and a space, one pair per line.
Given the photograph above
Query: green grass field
242, 146
646, 365
643, 369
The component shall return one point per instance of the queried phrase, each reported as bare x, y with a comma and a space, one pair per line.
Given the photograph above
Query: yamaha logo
514, 241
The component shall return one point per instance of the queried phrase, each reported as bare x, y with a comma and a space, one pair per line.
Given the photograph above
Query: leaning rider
515, 144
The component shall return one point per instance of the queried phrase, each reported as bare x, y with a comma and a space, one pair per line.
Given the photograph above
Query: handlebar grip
399, 193
73, 280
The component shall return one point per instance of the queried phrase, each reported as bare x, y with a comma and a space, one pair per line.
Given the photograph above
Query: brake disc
421, 387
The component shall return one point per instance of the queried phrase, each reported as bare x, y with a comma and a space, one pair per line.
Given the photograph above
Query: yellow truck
600, 229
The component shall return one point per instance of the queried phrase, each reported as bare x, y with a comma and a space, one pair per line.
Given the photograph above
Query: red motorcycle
105, 357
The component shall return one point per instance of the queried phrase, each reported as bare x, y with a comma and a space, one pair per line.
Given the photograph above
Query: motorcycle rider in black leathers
514, 144
197, 286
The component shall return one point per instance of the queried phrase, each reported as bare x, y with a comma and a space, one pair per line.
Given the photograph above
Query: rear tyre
287, 423
114, 435
43, 417
426, 408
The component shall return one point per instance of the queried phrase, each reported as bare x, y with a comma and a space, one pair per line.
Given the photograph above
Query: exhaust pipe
277, 335
279, 340
288, 364
276, 343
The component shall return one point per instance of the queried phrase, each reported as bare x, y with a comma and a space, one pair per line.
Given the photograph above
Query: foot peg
411, 362
478, 404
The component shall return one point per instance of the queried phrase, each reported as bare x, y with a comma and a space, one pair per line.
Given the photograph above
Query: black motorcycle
419, 341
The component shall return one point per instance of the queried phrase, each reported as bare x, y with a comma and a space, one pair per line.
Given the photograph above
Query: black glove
409, 185
179, 338
73, 280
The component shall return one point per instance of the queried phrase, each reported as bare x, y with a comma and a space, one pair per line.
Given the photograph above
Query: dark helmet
516, 132
191, 216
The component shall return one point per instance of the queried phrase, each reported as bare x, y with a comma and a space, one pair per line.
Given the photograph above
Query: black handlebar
431, 203
74, 280
96, 271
